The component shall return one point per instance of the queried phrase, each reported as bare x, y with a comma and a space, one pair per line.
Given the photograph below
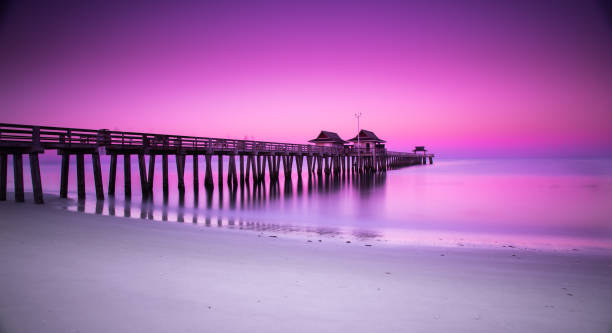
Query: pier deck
17, 139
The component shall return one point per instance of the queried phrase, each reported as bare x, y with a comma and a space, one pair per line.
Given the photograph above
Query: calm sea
536, 203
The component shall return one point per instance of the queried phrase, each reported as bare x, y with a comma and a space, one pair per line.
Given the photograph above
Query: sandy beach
71, 272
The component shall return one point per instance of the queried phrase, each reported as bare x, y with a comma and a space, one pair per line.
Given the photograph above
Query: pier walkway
17, 140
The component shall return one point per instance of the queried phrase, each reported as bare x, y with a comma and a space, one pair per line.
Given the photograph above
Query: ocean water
533, 203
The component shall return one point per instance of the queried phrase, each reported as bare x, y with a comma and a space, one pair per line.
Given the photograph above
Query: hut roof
367, 136
328, 137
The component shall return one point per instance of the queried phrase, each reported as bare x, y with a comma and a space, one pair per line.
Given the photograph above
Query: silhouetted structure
32, 140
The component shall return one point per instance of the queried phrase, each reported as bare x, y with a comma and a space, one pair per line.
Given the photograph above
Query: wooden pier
253, 158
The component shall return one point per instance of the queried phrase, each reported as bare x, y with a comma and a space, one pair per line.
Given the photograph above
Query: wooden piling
151, 174
80, 175
36, 181
220, 171
241, 161
299, 159
249, 161
262, 171
3, 175
64, 175
18, 176
208, 180
309, 165
326, 165
270, 167
112, 175
97, 170
143, 175
257, 170
231, 172
127, 175
165, 185
180, 172
196, 176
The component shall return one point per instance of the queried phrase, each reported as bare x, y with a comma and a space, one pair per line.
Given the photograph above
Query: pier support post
180, 172
262, 176
270, 168
143, 175
326, 165
299, 159
151, 174
319, 165
165, 174
220, 171
64, 175
257, 173
112, 175
249, 162
97, 170
430, 159
208, 181
231, 173
18, 175
3, 175
127, 175
289, 166
196, 174
241, 161
309, 165
80, 175
36, 181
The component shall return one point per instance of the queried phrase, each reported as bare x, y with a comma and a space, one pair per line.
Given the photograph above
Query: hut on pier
420, 149
367, 140
328, 139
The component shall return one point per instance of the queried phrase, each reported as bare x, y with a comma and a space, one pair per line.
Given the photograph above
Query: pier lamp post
358, 115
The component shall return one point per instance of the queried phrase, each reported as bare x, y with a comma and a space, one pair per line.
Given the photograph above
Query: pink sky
481, 79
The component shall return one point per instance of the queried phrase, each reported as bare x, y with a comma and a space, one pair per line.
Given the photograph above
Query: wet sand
65, 271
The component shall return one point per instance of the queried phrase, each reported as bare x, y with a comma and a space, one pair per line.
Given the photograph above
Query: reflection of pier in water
243, 198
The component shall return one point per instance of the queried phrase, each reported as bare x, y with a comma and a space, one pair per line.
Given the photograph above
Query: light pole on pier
358, 115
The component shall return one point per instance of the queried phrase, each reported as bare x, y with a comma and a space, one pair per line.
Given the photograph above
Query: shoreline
67, 271
391, 236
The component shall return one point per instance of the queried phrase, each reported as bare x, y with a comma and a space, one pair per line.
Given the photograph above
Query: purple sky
477, 78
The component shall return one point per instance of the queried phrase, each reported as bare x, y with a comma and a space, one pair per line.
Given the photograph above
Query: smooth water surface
558, 203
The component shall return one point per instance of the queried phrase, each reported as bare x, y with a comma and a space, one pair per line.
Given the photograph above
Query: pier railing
67, 138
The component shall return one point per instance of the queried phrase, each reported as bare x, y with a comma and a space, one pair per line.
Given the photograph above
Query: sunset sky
465, 78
